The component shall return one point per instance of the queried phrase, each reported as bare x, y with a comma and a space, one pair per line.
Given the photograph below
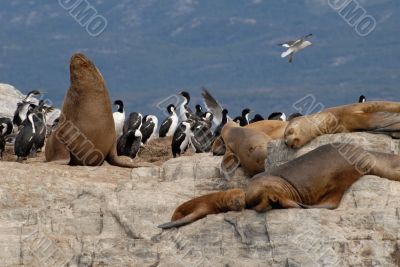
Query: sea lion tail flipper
181, 222
124, 162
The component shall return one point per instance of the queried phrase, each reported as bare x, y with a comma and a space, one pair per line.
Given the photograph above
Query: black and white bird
119, 117
129, 143
201, 137
362, 99
30, 97
199, 111
169, 125
181, 139
2, 141
294, 115
22, 107
256, 118
218, 129
280, 116
294, 47
7, 126
134, 122
243, 120
185, 112
39, 121
148, 128
20, 113
25, 138
208, 119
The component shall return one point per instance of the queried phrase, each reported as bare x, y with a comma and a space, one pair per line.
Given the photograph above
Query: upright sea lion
317, 179
85, 134
375, 116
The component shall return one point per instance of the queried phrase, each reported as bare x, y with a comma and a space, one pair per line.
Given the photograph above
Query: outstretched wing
288, 44
212, 104
307, 36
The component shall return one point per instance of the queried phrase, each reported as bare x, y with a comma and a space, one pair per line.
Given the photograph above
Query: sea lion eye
291, 131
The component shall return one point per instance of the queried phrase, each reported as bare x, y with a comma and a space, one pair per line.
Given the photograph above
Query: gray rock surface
52, 215
10, 96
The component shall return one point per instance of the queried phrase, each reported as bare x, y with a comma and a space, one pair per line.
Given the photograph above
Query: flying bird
294, 47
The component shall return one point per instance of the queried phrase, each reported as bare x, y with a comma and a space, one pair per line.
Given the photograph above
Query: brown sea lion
246, 147
85, 134
214, 203
375, 116
317, 179
275, 129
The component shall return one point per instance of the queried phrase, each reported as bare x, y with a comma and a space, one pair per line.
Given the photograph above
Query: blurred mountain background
152, 49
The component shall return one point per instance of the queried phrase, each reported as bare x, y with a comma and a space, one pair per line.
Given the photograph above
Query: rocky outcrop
10, 96
52, 215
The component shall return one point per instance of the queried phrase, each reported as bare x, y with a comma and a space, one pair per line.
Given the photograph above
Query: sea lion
198, 208
317, 179
85, 134
374, 116
246, 147
273, 128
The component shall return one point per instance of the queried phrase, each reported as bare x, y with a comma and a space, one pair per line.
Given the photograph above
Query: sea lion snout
79, 58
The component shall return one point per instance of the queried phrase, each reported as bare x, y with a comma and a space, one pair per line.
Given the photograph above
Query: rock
51, 215
10, 96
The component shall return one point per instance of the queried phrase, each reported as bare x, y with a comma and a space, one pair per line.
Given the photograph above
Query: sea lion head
295, 134
235, 199
84, 74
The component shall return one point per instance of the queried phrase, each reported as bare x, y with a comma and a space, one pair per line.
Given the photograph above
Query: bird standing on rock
149, 127
119, 117
169, 125
181, 139
129, 143
25, 138
133, 122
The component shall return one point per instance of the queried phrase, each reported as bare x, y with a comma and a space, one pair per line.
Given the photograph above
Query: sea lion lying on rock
245, 147
275, 129
373, 116
85, 134
317, 179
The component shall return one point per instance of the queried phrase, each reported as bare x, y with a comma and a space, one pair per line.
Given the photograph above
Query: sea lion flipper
230, 162
263, 206
57, 152
181, 222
